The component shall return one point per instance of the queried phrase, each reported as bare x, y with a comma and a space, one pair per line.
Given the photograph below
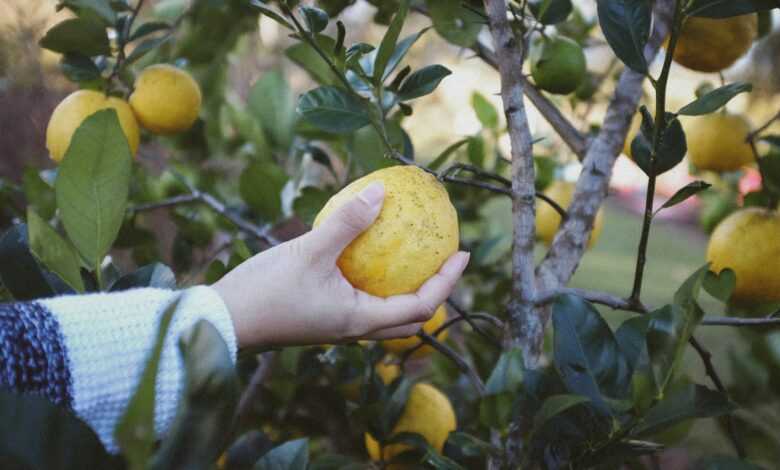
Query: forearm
88, 352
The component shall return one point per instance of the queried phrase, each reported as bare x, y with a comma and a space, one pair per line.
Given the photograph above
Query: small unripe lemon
401, 345
428, 412
75, 108
558, 65
415, 232
166, 100
748, 242
711, 45
548, 219
718, 142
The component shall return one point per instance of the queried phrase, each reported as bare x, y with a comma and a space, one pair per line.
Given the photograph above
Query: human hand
295, 294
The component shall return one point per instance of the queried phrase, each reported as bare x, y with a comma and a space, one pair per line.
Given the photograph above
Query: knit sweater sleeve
88, 352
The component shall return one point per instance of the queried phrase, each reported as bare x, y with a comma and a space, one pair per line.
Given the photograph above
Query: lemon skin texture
748, 242
401, 345
415, 232
75, 108
717, 142
166, 100
428, 412
711, 45
548, 219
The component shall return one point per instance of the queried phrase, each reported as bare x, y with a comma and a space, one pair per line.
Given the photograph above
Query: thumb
349, 220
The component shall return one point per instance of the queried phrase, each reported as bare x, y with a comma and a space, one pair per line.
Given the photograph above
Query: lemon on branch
166, 100
415, 232
548, 219
748, 243
558, 65
75, 108
401, 345
711, 45
428, 412
718, 142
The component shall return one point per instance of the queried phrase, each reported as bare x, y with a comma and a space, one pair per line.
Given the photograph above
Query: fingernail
373, 194
458, 264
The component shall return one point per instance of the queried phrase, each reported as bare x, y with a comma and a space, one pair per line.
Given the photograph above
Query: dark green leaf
715, 99
551, 11
671, 149
316, 19
445, 155
724, 462
101, 8
684, 193
272, 103
56, 254
333, 110
79, 68
307, 58
772, 139
20, 272
626, 26
135, 431
395, 405
769, 166
368, 150
146, 46
630, 337
728, 8
423, 82
153, 275
400, 51
507, 375
486, 112
454, 22
92, 185
389, 41
476, 150
77, 35
495, 411
720, 285
39, 194
43, 436
261, 187
292, 455
586, 354
197, 436
553, 406
692, 401
149, 28
309, 203
471, 446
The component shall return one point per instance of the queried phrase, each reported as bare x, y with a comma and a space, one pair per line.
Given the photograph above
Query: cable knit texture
89, 351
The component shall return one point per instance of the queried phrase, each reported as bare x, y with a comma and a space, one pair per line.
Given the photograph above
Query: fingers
349, 221
404, 331
375, 313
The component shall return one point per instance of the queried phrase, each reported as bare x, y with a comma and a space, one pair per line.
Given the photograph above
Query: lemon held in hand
428, 412
548, 219
401, 345
711, 45
748, 242
166, 100
75, 108
718, 142
415, 232
558, 65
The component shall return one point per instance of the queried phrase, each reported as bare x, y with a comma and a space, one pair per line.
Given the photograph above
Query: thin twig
455, 357
751, 137
474, 316
457, 167
253, 388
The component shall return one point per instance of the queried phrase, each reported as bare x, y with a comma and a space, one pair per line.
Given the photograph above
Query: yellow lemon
717, 142
415, 232
711, 45
75, 108
548, 219
166, 99
748, 242
401, 345
428, 412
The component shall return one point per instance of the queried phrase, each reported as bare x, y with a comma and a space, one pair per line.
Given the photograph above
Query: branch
455, 357
462, 313
253, 388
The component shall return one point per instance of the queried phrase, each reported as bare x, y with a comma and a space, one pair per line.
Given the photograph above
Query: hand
295, 294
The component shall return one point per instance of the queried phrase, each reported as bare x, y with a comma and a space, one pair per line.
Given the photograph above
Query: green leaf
486, 112
394, 408
626, 26
316, 19
471, 446
728, 8
79, 68
101, 8
309, 203
631, 338
551, 11
39, 194
135, 431
145, 47
445, 155
92, 185
400, 51
724, 462
769, 166
272, 102
684, 193
507, 375
476, 150
43, 436
197, 436
153, 275
720, 285
307, 58
554, 406
389, 41
20, 272
671, 149
53, 251
692, 401
454, 22
149, 28
369, 152
261, 187
333, 110
586, 354
292, 455
77, 35
423, 82
715, 99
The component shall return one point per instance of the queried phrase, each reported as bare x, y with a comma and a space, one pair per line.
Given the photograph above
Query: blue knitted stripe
33, 358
